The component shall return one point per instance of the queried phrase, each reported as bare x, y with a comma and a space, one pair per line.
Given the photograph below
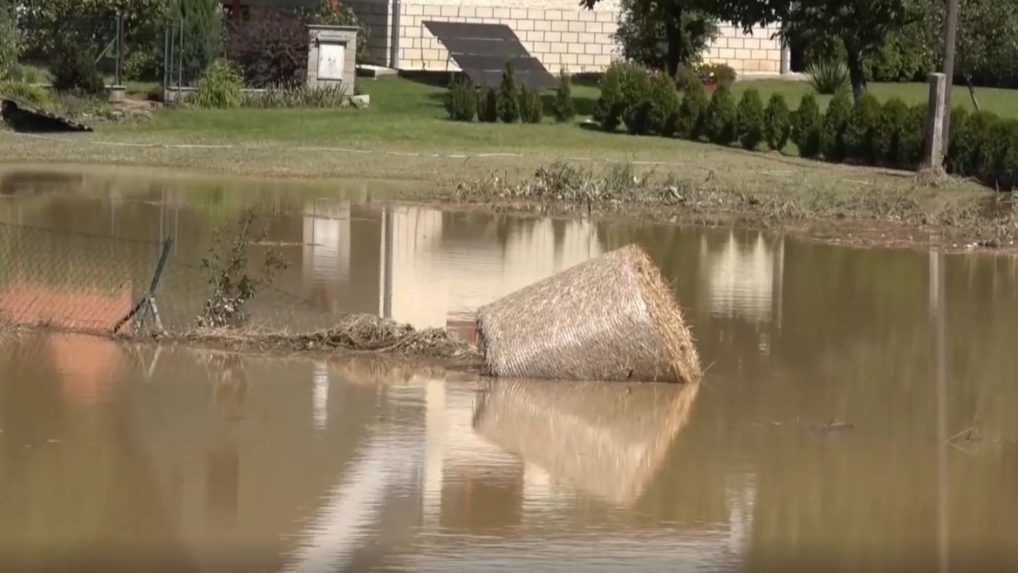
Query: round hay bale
612, 318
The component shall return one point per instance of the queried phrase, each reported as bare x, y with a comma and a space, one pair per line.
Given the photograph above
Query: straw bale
608, 439
612, 318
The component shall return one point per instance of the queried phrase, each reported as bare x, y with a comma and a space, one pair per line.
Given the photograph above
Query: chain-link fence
96, 284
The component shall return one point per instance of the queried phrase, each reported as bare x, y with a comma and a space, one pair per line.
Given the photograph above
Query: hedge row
865, 131
508, 103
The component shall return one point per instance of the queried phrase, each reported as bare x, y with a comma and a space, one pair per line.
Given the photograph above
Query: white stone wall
558, 32
758, 52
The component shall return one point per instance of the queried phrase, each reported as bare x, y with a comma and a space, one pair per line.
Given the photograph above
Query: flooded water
858, 412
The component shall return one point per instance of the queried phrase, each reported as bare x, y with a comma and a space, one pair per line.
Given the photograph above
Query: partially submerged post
332, 57
933, 151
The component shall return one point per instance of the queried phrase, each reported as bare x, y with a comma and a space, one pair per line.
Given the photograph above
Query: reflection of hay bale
607, 439
610, 318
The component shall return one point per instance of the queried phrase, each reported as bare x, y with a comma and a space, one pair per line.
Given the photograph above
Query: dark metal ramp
482, 51
23, 116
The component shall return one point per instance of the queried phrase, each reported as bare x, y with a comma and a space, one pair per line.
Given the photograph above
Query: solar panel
482, 51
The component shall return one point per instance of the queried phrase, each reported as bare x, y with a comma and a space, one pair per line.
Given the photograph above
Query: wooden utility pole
950, 41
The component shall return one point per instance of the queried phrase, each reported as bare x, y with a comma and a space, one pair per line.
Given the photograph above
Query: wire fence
106, 285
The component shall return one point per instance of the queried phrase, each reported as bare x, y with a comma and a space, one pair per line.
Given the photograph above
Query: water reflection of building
326, 251
436, 263
744, 276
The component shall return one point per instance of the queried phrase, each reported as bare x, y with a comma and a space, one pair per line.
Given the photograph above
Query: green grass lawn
409, 114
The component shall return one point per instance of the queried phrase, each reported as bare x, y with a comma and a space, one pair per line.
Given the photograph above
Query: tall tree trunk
673, 34
855, 70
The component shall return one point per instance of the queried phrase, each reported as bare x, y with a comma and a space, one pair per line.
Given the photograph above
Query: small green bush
777, 123
721, 75
955, 160
142, 65
807, 127
487, 105
654, 105
9, 40
508, 104
689, 118
751, 124
32, 94
828, 76
220, 87
722, 117
564, 108
685, 77
894, 123
1009, 177
461, 101
913, 137
75, 71
836, 122
974, 146
862, 137
996, 149
531, 106
610, 106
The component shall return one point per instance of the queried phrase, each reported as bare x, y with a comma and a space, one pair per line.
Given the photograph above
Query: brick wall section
557, 32
755, 53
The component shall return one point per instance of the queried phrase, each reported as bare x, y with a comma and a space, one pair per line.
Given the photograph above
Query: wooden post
933, 153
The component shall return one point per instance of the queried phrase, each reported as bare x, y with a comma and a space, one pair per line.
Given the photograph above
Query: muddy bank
914, 214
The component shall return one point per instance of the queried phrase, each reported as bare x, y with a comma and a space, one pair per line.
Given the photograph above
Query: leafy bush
1009, 176
828, 76
221, 86
721, 75
27, 92
142, 65
610, 105
722, 116
973, 143
655, 109
807, 127
777, 123
563, 107
461, 101
75, 71
487, 105
270, 47
956, 154
892, 131
203, 33
30, 74
643, 37
622, 85
836, 121
751, 119
508, 106
914, 137
862, 137
692, 110
996, 148
685, 77
531, 106
10, 45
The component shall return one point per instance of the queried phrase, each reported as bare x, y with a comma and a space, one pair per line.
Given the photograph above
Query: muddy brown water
858, 412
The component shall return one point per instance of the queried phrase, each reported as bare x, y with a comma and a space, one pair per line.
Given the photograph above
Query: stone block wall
558, 32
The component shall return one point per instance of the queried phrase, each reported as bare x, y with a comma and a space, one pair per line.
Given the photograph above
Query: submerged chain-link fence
97, 284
